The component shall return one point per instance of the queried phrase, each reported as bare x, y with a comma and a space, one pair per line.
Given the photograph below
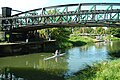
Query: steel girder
85, 14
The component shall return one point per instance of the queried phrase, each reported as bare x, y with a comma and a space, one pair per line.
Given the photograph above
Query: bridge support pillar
6, 12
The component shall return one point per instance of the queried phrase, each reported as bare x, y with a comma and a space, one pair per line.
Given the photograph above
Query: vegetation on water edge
75, 40
114, 51
109, 70
112, 38
85, 39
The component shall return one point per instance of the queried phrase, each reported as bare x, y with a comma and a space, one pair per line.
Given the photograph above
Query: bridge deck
69, 15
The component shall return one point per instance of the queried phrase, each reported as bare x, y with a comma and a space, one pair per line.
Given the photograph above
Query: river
34, 67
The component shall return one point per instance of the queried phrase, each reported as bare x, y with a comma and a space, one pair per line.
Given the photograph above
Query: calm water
34, 67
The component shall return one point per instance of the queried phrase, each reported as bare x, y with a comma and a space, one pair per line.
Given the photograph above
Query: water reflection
80, 57
114, 49
34, 67
30, 74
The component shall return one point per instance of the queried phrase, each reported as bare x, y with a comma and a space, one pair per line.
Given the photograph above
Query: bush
103, 71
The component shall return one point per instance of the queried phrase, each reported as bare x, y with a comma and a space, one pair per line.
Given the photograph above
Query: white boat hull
54, 56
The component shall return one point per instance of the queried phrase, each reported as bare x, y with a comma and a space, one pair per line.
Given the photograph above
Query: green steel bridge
70, 15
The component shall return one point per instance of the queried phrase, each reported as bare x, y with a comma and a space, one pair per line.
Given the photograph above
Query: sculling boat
54, 56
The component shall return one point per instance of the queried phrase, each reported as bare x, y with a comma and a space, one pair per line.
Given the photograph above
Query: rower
56, 52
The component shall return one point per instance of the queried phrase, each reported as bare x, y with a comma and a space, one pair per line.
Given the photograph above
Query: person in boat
56, 53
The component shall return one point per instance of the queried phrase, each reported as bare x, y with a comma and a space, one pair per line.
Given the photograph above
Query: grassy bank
75, 38
103, 71
113, 38
109, 70
75, 41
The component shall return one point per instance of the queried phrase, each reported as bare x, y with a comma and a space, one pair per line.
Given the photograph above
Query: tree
60, 34
89, 30
99, 30
113, 31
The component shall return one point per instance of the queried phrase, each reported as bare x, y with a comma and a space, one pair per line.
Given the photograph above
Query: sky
25, 5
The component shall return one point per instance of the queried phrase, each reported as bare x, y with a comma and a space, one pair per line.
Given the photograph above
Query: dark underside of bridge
59, 25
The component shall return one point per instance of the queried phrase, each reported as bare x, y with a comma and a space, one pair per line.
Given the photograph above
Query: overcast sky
24, 5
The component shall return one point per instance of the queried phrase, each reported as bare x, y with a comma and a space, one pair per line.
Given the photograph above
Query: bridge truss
70, 15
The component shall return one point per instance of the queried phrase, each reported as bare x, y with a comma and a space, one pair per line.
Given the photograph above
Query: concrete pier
8, 49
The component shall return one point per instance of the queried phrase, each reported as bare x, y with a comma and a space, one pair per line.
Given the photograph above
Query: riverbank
109, 70
75, 40
33, 67
101, 71
112, 38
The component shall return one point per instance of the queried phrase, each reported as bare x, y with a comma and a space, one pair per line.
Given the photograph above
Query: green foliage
103, 71
99, 30
1, 36
65, 44
112, 38
81, 38
114, 31
60, 34
83, 30
89, 30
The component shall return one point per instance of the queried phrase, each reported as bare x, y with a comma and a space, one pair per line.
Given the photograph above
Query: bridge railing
85, 14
